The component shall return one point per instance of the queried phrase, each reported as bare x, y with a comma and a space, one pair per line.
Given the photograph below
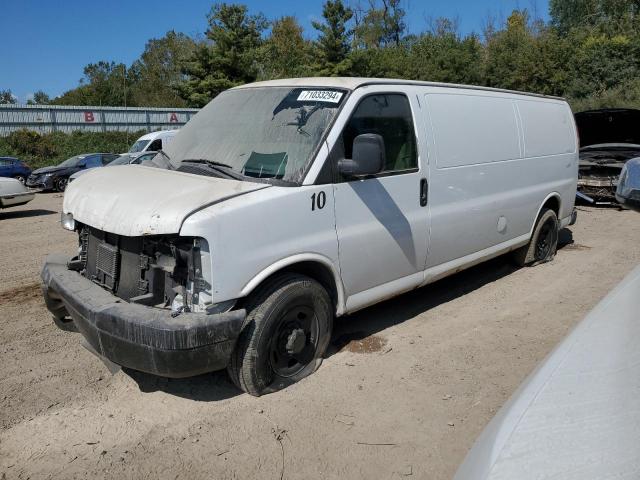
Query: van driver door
382, 220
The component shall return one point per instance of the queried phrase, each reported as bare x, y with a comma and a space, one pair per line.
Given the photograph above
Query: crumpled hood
134, 200
608, 125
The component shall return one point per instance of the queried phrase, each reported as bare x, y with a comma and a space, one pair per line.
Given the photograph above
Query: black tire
544, 241
285, 335
20, 178
60, 184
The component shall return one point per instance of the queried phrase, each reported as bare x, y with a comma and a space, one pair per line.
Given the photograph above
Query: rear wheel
286, 333
60, 184
20, 178
544, 241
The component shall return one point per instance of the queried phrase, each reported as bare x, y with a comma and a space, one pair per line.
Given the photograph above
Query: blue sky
50, 42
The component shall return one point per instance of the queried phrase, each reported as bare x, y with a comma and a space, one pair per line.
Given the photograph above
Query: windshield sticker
320, 96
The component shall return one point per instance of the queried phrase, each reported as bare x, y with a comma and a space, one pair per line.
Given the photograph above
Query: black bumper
45, 183
136, 336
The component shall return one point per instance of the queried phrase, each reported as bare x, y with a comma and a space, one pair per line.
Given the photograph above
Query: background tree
333, 44
285, 53
380, 25
158, 72
7, 97
104, 83
609, 14
39, 98
524, 56
589, 52
229, 58
442, 55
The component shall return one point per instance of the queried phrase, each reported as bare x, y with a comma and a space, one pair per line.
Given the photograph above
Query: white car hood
133, 200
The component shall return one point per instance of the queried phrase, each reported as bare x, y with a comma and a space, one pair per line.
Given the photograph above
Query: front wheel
61, 184
286, 333
544, 241
20, 178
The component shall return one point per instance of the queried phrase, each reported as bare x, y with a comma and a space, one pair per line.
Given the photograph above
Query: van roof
154, 135
351, 83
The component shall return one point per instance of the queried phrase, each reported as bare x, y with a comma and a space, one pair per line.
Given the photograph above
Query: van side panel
549, 130
249, 234
473, 129
485, 190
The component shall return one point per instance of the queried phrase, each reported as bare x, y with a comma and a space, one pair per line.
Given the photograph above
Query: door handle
424, 192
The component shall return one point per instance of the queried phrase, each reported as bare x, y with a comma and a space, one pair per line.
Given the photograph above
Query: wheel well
315, 270
554, 204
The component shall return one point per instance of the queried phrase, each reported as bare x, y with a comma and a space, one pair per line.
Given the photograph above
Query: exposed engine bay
161, 271
608, 138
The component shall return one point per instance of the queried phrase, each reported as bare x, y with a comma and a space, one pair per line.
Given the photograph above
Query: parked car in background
153, 141
14, 193
126, 159
57, 177
14, 168
608, 138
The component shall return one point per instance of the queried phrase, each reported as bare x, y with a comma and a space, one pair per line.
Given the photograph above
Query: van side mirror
367, 158
628, 190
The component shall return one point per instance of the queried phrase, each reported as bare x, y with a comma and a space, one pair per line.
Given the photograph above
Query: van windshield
269, 133
139, 146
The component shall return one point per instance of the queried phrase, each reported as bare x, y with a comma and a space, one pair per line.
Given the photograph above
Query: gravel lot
405, 390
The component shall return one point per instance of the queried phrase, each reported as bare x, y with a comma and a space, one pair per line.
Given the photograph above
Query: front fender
293, 260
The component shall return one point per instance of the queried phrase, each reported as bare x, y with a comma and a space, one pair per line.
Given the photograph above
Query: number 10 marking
318, 201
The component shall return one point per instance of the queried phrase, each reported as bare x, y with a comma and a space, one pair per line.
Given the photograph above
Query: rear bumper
136, 336
12, 200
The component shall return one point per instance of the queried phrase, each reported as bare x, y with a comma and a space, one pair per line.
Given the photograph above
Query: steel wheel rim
545, 240
284, 357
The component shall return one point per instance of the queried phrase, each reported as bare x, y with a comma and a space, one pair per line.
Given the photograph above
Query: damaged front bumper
143, 338
43, 182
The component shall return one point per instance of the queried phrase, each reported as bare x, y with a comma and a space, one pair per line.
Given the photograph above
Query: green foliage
333, 44
158, 72
610, 15
380, 26
602, 63
626, 95
104, 83
151, 81
589, 52
285, 53
229, 59
443, 56
6, 97
39, 98
52, 148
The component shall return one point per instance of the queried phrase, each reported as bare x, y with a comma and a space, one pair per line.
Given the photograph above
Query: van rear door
382, 225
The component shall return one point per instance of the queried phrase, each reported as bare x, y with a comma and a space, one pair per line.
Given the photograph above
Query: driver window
388, 115
155, 145
91, 162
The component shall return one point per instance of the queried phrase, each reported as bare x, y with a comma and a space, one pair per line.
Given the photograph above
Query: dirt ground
405, 390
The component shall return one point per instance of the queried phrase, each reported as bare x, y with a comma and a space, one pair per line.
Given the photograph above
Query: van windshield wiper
219, 167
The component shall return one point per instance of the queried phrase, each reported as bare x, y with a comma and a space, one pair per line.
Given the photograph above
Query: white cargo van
153, 141
284, 203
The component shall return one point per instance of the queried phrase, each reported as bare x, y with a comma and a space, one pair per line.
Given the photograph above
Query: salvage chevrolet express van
282, 204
